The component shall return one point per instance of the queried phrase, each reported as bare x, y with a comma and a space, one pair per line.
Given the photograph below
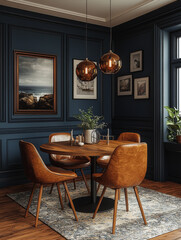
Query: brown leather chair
68, 162
104, 160
126, 136
127, 168
38, 173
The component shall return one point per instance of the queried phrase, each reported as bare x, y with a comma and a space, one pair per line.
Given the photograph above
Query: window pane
179, 88
179, 47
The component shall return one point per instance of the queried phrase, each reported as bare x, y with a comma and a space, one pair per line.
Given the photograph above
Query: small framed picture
136, 61
141, 88
83, 89
125, 85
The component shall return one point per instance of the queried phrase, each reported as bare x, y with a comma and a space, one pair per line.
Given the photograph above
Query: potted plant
173, 124
89, 123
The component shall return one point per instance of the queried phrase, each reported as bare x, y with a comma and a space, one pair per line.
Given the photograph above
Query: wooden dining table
86, 204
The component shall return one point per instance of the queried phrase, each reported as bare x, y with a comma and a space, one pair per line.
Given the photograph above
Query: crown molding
130, 10
57, 10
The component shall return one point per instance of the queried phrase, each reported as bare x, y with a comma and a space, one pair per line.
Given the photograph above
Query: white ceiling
98, 11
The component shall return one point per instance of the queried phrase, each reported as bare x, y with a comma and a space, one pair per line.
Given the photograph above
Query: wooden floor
13, 225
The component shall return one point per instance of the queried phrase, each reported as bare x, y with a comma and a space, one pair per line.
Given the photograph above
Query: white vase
88, 136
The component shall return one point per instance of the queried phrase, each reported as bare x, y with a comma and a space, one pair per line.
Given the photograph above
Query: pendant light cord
110, 28
86, 32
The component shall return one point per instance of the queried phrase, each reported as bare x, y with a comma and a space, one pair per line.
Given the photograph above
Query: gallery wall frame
136, 61
83, 89
34, 83
124, 85
141, 88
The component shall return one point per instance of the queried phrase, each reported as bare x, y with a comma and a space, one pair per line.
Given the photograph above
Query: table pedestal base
83, 204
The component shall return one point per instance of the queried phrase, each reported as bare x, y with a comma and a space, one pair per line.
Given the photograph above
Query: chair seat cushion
103, 161
68, 162
61, 170
96, 176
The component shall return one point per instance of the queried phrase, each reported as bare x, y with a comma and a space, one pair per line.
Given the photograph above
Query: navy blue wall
131, 114
20, 30
149, 33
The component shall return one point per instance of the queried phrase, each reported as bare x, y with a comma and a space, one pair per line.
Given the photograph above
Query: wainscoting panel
38, 33
94, 53
13, 151
36, 41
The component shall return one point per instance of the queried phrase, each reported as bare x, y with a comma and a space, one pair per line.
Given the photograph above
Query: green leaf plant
173, 123
89, 120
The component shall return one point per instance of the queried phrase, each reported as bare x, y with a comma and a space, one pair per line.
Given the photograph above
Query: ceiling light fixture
86, 70
110, 62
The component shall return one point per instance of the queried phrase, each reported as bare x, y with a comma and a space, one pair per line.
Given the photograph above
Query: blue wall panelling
26, 31
150, 34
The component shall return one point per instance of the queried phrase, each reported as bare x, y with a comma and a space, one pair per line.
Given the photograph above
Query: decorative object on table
141, 88
95, 136
136, 63
83, 89
35, 85
125, 85
108, 136
86, 70
110, 62
173, 124
89, 122
81, 143
71, 137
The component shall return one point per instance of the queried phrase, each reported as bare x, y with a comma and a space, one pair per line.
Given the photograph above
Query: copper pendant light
110, 63
86, 70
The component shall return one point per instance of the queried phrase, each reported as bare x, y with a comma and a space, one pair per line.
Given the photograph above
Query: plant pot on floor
178, 139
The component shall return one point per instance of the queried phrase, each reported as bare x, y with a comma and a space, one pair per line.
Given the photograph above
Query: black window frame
175, 63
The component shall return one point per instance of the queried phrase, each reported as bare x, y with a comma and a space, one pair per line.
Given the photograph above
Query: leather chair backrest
59, 137
35, 169
127, 166
129, 136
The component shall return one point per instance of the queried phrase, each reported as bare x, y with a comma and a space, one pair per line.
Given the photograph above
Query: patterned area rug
163, 214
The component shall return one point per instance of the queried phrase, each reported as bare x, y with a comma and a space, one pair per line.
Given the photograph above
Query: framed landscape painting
83, 89
34, 83
125, 85
141, 88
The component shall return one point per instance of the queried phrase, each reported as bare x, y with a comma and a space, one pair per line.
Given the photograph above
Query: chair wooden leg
115, 210
30, 199
126, 199
60, 196
51, 189
85, 181
70, 200
38, 206
74, 181
119, 194
139, 203
98, 188
99, 203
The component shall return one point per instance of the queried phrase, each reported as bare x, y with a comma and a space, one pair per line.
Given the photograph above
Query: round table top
91, 150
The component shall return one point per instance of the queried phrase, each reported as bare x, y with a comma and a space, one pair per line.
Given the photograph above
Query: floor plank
13, 225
